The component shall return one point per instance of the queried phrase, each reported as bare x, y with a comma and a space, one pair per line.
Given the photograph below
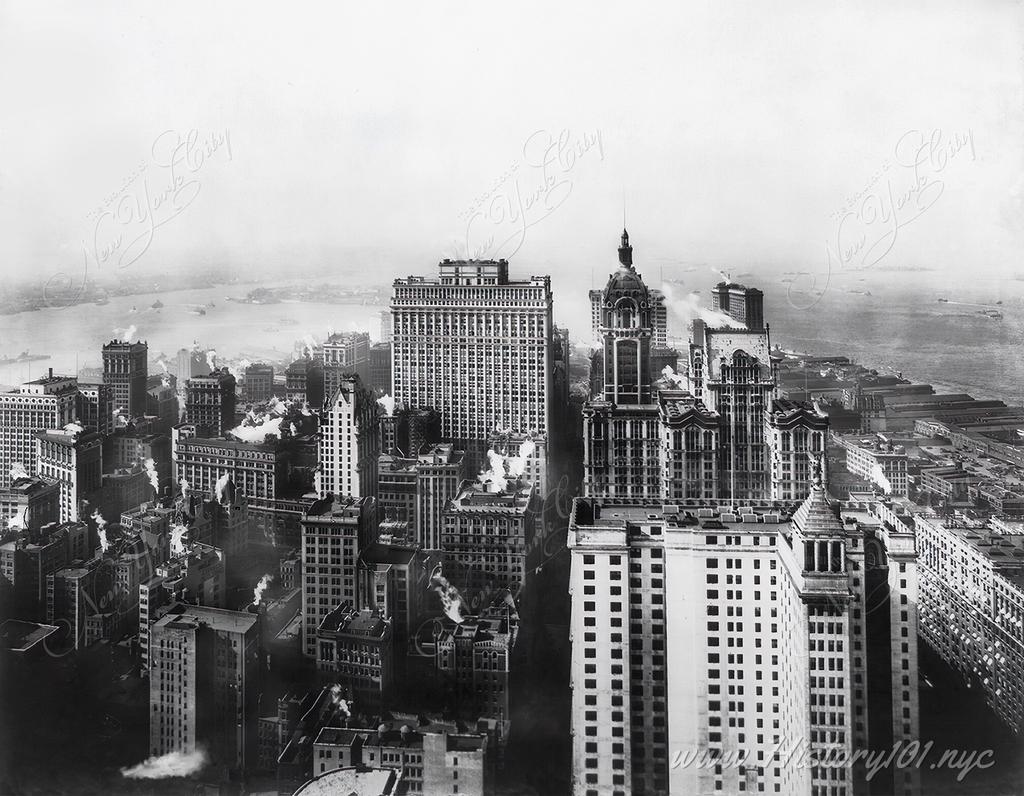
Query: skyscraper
349, 442
745, 305
49, 402
733, 374
334, 533
210, 403
343, 354
203, 683
125, 368
718, 432
728, 634
476, 346
96, 407
659, 316
621, 426
75, 460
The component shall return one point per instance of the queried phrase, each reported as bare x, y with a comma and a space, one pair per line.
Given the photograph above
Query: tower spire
626, 251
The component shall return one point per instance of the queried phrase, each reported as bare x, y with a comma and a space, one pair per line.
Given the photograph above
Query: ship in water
943, 301
156, 305
197, 311
24, 356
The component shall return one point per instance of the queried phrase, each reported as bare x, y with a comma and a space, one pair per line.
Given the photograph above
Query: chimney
51, 373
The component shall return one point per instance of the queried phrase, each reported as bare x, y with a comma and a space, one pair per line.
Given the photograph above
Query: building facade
75, 460
349, 442
46, 403
203, 684
210, 403
334, 533
732, 632
476, 346
125, 368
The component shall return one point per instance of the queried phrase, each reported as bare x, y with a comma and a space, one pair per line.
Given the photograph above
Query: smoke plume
257, 427
126, 334
101, 529
211, 360
178, 533
451, 600
879, 477
221, 484
690, 309
340, 703
257, 593
154, 479
517, 464
18, 471
172, 764
495, 477
238, 371
387, 403
18, 521
675, 378
73, 428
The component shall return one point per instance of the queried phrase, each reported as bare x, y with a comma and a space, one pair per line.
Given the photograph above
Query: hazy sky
390, 136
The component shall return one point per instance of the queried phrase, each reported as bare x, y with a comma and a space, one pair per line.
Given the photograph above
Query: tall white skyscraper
706, 639
349, 441
477, 347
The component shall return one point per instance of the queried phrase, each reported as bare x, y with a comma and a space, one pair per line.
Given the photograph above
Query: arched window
626, 314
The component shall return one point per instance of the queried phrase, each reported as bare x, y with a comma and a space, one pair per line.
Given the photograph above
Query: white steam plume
673, 377
257, 593
340, 703
222, 482
178, 533
387, 403
238, 371
154, 479
74, 428
451, 600
18, 521
101, 529
879, 477
690, 308
126, 334
172, 764
258, 429
211, 360
495, 477
185, 487
18, 471
517, 464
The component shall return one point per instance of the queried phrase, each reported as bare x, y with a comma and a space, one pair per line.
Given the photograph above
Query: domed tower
627, 330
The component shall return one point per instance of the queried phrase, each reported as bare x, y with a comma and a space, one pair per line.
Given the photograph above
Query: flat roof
215, 618
21, 636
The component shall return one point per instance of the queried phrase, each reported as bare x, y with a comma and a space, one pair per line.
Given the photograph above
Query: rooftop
219, 619
19, 636
352, 782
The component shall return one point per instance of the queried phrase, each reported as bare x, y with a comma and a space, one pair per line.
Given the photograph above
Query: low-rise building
354, 650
